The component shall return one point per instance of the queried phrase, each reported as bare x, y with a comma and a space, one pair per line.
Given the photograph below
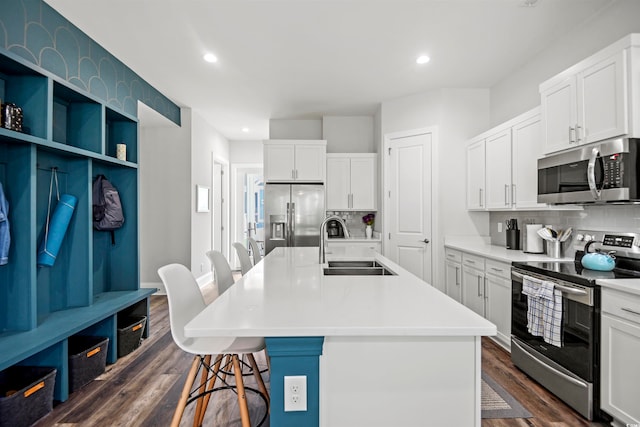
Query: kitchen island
376, 350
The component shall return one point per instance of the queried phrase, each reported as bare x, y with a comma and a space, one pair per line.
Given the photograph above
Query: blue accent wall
35, 31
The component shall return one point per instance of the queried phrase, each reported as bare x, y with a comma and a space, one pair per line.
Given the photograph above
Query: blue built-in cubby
94, 279
121, 129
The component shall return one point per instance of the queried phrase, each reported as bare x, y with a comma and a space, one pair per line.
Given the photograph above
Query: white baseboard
205, 279
158, 285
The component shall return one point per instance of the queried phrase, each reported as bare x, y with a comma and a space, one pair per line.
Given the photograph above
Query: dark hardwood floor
143, 388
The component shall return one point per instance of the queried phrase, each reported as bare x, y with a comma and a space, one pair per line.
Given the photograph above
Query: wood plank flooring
143, 388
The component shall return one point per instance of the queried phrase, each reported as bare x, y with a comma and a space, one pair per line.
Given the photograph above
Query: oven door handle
551, 368
562, 288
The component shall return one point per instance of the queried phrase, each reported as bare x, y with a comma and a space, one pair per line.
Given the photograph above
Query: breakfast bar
377, 349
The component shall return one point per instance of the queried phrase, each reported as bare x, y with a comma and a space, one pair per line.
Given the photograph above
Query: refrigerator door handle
292, 224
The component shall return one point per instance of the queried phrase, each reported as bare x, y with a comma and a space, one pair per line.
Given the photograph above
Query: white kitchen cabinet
589, 102
498, 299
476, 175
453, 274
473, 286
351, 181
620, 347
526, 148
498, 170
510, 170
294, 161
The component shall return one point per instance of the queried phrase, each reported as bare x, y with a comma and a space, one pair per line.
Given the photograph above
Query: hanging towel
544, 310
5, 237
551, 301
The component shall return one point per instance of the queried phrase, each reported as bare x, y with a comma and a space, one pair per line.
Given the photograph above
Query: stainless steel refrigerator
293, 214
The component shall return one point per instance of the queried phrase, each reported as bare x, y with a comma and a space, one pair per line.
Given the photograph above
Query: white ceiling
309, 58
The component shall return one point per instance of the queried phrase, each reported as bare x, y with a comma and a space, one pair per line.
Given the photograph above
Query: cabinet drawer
497, 268
473, 261
621, 304
453, 255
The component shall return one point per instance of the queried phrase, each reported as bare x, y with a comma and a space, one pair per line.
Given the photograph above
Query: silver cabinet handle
486, 295
452, 256
457, 276
293, 174
480, 193
469, 261
628, 310
572, 131
513, 194
479, 285
578, 139
496, 269
506, 195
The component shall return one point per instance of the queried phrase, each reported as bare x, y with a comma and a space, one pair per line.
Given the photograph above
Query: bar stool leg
259, 380
205, 362
242, 398
182, 403
210, 386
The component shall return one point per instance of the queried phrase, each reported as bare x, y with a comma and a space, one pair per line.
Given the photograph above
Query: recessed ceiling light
245, 130
210, 57
422, 59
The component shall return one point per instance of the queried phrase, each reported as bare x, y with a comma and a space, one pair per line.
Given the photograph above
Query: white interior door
408, 202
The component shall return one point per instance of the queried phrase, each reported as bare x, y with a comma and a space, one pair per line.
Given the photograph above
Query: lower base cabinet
453, 274
620, 347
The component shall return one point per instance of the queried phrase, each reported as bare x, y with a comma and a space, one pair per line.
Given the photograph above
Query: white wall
295, 129
348, 134
519, 92
245, 152
206, 144
165, 198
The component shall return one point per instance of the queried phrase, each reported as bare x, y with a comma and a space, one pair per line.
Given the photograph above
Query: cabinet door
310, 162
620, 374
602, 100
473, 289
526, 148
279, 162
338, 183
559, 116
453, 279
498, 306
363, 183
475, 175
498, 172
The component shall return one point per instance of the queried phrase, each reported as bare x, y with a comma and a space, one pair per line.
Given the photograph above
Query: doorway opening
248, 206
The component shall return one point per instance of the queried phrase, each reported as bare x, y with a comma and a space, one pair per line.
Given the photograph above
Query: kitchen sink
357, 268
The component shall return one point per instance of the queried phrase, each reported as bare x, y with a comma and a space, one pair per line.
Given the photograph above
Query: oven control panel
617, 241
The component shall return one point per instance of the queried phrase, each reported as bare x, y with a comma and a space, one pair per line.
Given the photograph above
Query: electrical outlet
500, 227
295, 393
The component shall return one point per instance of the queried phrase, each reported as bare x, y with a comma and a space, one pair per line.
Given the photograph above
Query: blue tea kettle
599, 261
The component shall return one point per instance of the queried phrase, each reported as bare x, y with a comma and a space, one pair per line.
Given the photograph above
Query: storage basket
26, 394
87, 359
130, 331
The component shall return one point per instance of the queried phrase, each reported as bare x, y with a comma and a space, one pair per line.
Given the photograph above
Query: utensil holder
555, 249
513, 239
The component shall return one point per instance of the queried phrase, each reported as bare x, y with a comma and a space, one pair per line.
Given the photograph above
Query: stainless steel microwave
605, 172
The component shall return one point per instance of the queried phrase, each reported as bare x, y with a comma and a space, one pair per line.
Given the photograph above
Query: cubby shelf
92, 280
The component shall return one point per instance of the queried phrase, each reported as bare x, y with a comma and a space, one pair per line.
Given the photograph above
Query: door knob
425, 241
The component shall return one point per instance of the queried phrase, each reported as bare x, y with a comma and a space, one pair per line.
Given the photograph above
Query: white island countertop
287, 295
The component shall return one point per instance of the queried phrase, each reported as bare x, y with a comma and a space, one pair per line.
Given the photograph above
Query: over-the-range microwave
604, 172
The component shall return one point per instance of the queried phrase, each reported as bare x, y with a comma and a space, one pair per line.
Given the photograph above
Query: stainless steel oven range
571, 368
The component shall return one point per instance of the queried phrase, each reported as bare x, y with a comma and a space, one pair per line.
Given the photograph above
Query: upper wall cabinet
502, 167
351, 181
295, 161
594, 100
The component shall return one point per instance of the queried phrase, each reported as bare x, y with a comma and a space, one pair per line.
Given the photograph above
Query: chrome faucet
322, 229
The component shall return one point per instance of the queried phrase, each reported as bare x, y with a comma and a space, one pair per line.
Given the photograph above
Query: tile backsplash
353, 219
623, 218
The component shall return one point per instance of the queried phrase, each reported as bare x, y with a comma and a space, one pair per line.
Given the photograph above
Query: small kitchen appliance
571, 371
334, 230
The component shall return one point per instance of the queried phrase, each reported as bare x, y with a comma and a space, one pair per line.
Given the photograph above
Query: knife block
513, 239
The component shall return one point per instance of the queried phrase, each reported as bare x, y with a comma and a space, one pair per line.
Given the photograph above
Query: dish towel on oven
544, 312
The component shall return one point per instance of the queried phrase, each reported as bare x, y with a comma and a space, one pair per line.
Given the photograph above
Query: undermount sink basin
357, 268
